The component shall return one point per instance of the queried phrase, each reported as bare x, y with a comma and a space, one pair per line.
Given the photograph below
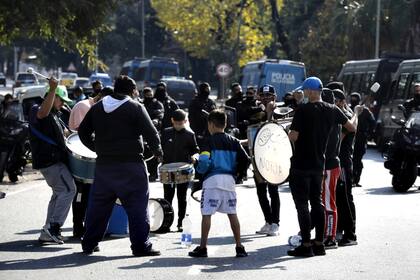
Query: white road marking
33, 186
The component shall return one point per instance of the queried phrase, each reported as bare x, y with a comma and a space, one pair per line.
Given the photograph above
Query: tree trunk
281, 36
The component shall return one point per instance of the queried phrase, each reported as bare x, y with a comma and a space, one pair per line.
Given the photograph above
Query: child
179, 145
221, 160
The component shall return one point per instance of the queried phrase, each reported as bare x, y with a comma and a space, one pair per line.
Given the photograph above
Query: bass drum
272, 152
161, 215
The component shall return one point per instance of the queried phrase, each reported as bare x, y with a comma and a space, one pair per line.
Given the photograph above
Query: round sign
223, 70
272, 153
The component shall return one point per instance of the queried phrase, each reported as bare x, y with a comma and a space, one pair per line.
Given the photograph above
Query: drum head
156, 215
175, 166
76, 146
272, 153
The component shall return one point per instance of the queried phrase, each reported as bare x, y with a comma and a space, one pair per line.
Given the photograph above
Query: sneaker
330, 244
149, 253
301, 251
90, 252
274, 230
240, 252
346, 242
265, 229
319, 250
198, 252
52, 233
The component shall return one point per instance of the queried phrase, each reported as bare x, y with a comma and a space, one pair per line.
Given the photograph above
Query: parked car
2, 79
180, 89
103, 77
82, 82
25, 79
68, 79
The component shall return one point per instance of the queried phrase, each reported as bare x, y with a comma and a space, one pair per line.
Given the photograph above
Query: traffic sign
223, 70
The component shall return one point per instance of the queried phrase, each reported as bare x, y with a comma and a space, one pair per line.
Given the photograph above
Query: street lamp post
378, 27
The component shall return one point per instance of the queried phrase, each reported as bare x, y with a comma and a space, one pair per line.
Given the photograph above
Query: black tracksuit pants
181, 194
346, 209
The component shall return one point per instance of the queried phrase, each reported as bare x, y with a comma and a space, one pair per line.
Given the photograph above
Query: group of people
115, 122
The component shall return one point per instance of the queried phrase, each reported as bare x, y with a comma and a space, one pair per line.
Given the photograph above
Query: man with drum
50, 157
309, 131
270, 209
80, 200
118, 125
179, 145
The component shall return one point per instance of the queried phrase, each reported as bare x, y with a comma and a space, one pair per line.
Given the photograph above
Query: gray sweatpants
60, 180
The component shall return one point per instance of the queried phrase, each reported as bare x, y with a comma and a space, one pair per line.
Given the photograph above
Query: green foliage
73, 24
234, 31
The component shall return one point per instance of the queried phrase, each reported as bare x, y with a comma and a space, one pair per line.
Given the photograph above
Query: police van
148, 72
284, 75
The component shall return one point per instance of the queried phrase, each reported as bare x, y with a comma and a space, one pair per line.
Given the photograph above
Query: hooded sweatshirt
118, 126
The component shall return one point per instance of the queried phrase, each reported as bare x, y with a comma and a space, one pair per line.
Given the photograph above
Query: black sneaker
301, 251
346, 242
319, 250
198, 252
240, 252
90, 252
149, 253
330, 244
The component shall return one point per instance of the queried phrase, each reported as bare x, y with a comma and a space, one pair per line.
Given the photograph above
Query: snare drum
161, 215
81, 159
176, 173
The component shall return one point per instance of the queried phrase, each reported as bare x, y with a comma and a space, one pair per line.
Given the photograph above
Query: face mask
160, 93
97, 90
148, 99
417, 97
305, 100
204, 94
354, 103
250, 98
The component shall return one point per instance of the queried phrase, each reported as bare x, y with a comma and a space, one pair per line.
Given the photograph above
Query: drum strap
42, 136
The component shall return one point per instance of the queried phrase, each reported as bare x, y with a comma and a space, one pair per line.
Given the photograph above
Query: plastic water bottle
295, 240
186, 237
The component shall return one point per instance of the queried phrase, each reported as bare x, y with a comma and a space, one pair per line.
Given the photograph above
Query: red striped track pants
329, 184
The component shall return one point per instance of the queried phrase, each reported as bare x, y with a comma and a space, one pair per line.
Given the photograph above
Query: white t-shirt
224, 182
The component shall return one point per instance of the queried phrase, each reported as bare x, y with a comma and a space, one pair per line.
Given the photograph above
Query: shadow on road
227, 240
63, 261
390, 191
29, 246
263, 258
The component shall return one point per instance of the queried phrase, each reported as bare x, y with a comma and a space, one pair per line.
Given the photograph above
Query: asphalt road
388, 229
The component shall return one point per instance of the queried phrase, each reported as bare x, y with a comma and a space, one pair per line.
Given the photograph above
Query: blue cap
312, 83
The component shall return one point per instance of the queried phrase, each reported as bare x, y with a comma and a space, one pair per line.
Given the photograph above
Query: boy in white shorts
221, 160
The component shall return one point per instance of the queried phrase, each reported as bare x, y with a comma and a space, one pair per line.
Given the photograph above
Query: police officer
156, 113
199, 108
168, 102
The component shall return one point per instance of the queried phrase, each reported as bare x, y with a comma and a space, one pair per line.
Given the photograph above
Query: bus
284, 75
148, 72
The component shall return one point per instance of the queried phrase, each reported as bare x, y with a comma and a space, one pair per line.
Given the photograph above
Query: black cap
161, 84
357, 95
339, 94
327, 95
335, 85
267, 89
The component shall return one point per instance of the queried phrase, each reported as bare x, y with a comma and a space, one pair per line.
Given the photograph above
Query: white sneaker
265, 229
47, 236
274, 230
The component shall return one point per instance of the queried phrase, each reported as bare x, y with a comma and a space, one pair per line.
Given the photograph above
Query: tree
73, 24
233, 31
